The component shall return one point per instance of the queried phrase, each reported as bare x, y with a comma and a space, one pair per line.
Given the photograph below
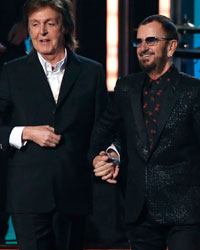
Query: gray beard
156, 66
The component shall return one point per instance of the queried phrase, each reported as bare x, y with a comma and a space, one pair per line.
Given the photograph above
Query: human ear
172, 47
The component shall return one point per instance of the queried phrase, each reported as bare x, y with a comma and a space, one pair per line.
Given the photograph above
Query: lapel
72, 71
136, 103
36, 76
170, 99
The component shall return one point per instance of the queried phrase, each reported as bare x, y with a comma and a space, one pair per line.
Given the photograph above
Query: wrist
26, 133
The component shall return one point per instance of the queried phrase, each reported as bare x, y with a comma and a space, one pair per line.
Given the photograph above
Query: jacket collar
170, 99
37, 76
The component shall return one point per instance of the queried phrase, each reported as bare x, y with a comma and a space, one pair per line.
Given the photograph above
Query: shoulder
189, 81
16, 66
16, 62
131, 77
85, 62
130, 81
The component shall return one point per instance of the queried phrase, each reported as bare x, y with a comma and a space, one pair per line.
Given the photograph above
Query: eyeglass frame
157, 39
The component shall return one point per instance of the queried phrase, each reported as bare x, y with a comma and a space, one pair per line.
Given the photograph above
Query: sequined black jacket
168, 176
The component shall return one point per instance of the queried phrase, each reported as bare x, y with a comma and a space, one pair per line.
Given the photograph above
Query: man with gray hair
49, 102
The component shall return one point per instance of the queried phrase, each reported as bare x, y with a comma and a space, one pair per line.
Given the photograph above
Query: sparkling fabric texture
167, 175
171, 184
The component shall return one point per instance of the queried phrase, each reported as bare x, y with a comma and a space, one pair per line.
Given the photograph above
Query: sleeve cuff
114, 149
15, 138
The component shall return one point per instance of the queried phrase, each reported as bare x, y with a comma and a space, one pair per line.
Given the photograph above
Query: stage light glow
165, 7
112, 43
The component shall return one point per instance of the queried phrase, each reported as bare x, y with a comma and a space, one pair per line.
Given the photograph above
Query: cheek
138, 52
33, 34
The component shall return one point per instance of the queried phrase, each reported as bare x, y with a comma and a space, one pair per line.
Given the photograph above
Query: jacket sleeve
104, 132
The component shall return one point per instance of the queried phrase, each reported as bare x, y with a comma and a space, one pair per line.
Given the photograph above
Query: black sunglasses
150, 41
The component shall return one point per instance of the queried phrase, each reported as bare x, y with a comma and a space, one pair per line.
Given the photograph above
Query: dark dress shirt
153, 93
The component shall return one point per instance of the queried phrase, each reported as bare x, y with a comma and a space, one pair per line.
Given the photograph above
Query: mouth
145, 55
44, 41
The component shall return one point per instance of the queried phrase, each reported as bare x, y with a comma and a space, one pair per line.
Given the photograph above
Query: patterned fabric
167, 178
153, 93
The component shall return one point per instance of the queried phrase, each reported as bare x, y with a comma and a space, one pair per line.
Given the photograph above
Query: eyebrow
38, 20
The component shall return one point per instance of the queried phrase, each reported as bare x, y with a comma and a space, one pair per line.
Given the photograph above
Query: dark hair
61, 6
167, 24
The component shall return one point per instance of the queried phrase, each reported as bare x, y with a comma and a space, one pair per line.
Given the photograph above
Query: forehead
150, 29
44, 13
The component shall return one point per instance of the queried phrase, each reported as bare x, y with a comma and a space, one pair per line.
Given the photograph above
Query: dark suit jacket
168, 177
42, 178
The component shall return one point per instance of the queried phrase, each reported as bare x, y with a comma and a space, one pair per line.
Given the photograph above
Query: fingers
42, 135
100, 160
111, 177
108, 171
108, 175
111, 181
116, 172
104, 169
50, 139
50, 142
101, 166
50, 128
102, 153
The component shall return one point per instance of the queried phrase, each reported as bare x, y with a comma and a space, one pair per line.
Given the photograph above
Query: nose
43, 30
144, 46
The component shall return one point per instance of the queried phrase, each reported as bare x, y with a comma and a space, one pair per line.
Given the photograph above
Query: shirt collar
166, 74
162, 80
47, 66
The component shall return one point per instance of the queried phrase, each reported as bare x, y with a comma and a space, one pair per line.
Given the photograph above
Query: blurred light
112, 43
165, 7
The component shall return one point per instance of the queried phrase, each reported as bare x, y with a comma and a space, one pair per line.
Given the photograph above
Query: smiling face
47, 33
155, 60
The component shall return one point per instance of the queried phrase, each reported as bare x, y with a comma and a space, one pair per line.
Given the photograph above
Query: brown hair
61, 6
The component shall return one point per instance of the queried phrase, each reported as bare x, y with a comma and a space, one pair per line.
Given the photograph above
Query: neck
53, 59
155, 74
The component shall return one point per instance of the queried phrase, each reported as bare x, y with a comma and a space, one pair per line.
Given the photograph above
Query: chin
147, 67
46, 52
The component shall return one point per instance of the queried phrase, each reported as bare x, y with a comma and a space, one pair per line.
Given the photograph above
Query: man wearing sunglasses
159, 110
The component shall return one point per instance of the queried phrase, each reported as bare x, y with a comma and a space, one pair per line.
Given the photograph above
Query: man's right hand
41, 135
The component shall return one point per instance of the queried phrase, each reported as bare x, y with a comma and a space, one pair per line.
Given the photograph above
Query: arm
103, 134
102, 138
44, 136
41, 135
